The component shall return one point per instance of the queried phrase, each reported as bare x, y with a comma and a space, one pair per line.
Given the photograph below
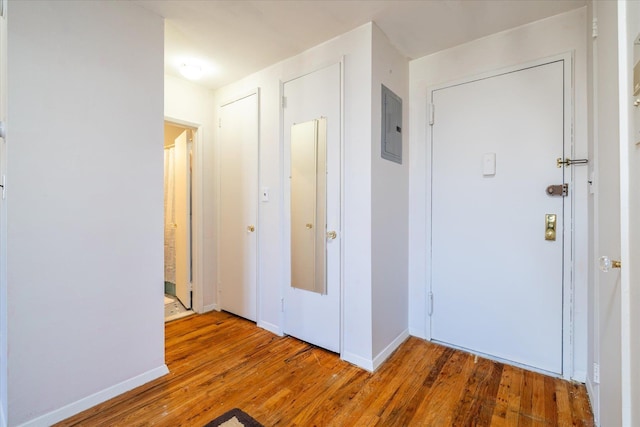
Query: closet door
311, 133
237, 248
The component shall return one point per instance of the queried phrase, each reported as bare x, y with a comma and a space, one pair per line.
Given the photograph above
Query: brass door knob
309, 226
251, 229
332, 235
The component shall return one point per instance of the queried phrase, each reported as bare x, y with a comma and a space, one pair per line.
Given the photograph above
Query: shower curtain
169, 219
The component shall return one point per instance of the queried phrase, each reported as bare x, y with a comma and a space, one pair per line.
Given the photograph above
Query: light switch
264, 194
489, 164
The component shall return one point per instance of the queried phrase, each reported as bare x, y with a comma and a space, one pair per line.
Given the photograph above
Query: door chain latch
558, 190
569, 162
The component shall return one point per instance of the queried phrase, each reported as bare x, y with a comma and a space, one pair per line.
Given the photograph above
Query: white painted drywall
604, 331
191, 104
355, 47
629, 55
555, 35
631, 401
591, 385
3, 225
389, 204
84, 208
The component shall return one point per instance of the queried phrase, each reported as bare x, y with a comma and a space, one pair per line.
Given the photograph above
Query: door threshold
179, 316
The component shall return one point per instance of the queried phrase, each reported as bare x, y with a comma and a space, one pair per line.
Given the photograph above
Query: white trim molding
96, 398
393, 346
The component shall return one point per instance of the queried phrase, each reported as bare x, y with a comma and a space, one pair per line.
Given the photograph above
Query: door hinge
430, 303
594, 28
284, 102
282, 305
2, 185
219, 123
596, 373
190, 287
432, 114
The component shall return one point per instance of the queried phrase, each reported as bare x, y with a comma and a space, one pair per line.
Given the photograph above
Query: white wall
191, 104
631, 402
555, 35
355, 47
3, 226
604, 331
84, 205
592, 319
389, 205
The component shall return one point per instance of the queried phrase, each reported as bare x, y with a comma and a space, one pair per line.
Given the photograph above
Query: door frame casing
572, 204
226, 101
627, 42
197, 297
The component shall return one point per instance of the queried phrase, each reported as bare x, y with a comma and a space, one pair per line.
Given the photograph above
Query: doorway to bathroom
178, 142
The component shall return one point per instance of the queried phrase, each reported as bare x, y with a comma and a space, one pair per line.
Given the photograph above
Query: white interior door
238, 207
497, 284
312, 316
183, 223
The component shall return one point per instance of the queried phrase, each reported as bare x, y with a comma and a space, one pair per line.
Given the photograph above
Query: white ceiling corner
233, 38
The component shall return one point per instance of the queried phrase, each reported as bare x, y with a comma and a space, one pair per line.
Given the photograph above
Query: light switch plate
489, 164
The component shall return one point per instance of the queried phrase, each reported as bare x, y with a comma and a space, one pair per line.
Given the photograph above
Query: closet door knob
607, 264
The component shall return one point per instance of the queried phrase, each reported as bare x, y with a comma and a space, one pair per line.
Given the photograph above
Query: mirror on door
308, 205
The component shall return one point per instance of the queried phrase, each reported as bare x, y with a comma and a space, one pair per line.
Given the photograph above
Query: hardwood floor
219, 362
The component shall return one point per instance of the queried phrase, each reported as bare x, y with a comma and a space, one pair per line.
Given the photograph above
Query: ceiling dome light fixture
191, 71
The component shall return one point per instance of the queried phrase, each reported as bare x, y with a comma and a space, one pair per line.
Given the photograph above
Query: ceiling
234, 38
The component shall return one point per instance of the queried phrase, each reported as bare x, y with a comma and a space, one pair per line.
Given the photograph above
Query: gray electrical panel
391, 126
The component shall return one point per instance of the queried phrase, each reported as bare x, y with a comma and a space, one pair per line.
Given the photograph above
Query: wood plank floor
219, 362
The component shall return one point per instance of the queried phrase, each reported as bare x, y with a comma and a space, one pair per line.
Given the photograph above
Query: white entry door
237, 246
183, 220
497, 283
315, 316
